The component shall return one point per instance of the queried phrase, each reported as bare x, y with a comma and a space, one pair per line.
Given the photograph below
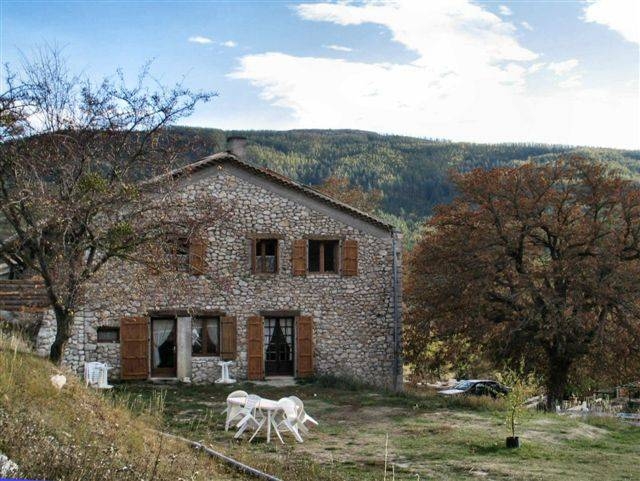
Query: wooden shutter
255, 349
304, 335
197, 253
252, 255
134, 347
350, 258
228, 338
299, 257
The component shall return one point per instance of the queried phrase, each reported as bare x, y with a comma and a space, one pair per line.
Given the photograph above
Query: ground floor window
278, 345
205, 336
108, 334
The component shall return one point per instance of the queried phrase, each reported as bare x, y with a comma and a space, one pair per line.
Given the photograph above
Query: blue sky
547, 71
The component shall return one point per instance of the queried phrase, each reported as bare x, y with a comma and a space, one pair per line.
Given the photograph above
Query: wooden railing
23, 295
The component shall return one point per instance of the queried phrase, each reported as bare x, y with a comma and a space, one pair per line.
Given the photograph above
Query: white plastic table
225, 379
268, 405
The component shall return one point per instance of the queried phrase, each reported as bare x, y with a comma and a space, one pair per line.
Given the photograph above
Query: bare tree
85, 174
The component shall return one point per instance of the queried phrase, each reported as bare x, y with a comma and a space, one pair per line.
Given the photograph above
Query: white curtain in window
161, 330
270, 263
212, 332
196, 333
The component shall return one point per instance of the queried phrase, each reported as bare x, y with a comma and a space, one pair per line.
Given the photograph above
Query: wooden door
304, 346
255, 348
134, 347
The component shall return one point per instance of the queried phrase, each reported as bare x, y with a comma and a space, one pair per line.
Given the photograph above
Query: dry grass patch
78, 434
429, 436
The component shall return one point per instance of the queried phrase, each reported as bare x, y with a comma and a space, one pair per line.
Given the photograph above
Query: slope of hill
80, 434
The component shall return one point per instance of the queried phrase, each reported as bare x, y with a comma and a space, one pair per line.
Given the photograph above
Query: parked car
476, 387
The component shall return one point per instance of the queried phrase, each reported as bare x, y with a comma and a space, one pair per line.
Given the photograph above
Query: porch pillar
183, 347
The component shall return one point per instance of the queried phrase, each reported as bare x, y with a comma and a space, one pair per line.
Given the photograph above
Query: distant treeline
411, 172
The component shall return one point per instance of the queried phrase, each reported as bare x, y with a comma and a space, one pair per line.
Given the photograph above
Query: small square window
266, 256
108, 334
205, 336
323, 255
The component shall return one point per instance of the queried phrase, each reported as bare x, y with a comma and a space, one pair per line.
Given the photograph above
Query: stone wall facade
353, 322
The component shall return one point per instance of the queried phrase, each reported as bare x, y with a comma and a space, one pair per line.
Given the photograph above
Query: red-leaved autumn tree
341, 189
540, 262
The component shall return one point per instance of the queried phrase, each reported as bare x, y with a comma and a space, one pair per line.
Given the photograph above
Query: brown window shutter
228, 338
252, 255
134, 347
299, 257
304, 335
197, 254
255, 349
350, 258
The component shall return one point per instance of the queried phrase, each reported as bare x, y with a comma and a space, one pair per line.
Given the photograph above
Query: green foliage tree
522, 386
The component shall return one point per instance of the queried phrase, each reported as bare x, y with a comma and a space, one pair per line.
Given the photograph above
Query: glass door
278, 342
163, 347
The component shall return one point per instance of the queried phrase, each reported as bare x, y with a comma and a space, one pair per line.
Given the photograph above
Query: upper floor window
108, 334
186, 254
323, 255
205, 336
265, 256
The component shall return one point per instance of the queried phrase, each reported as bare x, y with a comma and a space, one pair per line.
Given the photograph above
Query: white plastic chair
252, 416
233, 410
96, 375
289, 418
303, 417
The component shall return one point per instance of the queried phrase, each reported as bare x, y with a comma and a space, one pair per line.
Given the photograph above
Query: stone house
290, 282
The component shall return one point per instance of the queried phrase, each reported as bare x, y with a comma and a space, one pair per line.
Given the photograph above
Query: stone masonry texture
352, 316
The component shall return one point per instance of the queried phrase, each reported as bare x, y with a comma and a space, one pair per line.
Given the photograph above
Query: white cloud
526, 25
572, 82
338, 48
562, 68
504, 10
623, 16
535, 67
229, 43
469, 81
201, 40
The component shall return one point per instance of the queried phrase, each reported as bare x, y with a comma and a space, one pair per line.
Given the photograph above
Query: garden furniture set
249, 411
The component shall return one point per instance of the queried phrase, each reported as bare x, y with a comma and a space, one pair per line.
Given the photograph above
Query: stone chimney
236, 146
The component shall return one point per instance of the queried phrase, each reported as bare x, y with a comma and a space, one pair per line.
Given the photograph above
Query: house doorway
163, 347
278, 346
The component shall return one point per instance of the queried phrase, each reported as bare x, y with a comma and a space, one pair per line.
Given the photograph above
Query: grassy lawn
428, 437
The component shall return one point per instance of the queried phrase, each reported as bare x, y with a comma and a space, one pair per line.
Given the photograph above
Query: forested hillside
412, 173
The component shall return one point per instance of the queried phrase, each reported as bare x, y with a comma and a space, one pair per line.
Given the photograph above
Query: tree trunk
556, 381
64, 321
